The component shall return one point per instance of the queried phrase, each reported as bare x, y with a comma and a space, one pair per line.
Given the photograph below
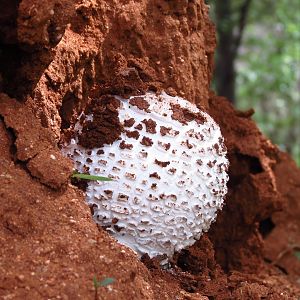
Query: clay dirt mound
58, 55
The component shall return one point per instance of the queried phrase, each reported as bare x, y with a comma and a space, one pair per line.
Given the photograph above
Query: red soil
55, 57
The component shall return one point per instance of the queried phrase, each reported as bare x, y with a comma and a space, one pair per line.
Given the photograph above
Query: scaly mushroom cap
169, 169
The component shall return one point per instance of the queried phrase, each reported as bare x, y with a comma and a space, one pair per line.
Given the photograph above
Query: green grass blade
297, 254
90, 177
107, 281
95, 282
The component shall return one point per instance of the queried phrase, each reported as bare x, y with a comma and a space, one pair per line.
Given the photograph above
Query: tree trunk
230, 32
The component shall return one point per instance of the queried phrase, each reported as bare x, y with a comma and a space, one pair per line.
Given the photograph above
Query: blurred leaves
268, 69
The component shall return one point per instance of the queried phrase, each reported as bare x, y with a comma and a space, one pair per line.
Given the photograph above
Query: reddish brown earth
55, 57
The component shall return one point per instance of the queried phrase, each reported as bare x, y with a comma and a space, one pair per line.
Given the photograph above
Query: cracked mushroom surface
169, 166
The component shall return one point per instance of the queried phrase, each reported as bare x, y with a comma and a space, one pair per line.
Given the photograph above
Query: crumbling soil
58, 55
105, 127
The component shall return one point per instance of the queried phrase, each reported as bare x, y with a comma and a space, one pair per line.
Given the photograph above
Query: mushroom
169, 168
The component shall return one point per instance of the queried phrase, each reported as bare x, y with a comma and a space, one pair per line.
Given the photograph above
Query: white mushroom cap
170, 175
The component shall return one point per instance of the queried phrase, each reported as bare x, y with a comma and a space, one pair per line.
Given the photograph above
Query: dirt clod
105, 127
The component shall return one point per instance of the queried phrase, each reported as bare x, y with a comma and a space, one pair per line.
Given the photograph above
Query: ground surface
56, 56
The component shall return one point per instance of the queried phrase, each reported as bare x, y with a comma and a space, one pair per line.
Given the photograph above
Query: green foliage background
268, 69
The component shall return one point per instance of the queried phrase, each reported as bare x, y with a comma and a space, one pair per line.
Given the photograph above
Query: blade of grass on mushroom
90, 177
